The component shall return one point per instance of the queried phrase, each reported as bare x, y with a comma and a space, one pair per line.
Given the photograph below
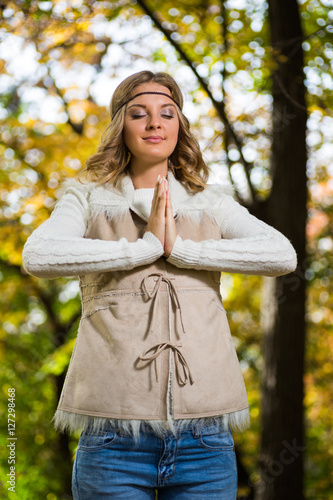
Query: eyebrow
144, 106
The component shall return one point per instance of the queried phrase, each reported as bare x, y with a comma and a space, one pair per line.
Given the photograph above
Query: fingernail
158, 178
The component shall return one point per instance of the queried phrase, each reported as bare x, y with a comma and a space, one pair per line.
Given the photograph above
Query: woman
154, 380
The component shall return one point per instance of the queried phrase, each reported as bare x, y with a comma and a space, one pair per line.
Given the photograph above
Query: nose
154, 122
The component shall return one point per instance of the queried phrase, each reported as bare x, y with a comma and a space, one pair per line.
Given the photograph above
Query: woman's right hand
156, 221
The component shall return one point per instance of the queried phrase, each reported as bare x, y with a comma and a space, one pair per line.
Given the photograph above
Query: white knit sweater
247, 245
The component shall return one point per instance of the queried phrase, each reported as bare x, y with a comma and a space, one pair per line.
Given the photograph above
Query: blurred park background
257, 81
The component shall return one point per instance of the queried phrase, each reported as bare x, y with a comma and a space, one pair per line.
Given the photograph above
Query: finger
170, 221
153, 203
157, 190
162, 199
170, 227
169, 212
158, 205
161, 188
167, 202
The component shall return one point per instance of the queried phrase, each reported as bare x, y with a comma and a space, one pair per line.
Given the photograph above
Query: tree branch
77, 127
224, 75
224, 27
298, 40
60, 331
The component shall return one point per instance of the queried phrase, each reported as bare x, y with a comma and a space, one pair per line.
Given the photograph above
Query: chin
152, 159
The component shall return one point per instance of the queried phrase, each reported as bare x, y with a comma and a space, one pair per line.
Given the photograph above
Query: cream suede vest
145, 329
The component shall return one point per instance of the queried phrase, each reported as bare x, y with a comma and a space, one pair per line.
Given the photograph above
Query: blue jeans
197, 463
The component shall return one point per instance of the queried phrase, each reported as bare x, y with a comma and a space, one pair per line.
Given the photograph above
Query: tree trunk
283, 320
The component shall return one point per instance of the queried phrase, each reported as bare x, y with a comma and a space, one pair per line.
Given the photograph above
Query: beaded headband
141, 93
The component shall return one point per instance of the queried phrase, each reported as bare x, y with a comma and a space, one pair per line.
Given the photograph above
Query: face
151, 125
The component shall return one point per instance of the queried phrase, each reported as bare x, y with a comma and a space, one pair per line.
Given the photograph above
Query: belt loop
196, 431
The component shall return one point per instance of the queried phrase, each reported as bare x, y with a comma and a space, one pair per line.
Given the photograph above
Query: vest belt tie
183, 372
154, 293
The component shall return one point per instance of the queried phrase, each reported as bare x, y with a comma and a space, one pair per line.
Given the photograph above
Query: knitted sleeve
58, 247
247, 245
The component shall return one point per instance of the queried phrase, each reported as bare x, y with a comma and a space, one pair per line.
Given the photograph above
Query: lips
155, 139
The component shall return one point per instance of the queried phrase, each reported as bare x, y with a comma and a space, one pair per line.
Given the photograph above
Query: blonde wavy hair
111, 162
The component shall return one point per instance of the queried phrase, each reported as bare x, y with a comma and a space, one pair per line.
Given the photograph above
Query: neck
144, 176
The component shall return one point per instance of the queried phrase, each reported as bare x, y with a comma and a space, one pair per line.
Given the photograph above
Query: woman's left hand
170, 226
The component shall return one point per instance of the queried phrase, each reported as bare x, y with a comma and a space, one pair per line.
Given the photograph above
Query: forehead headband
141, 93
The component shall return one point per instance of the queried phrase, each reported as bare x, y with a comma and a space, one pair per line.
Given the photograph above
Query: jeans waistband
163, 428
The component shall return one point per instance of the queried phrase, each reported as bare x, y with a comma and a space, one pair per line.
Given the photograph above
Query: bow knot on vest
154, 294
183, 372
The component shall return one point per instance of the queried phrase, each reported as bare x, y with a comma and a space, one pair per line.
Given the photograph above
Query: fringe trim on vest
74, 422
